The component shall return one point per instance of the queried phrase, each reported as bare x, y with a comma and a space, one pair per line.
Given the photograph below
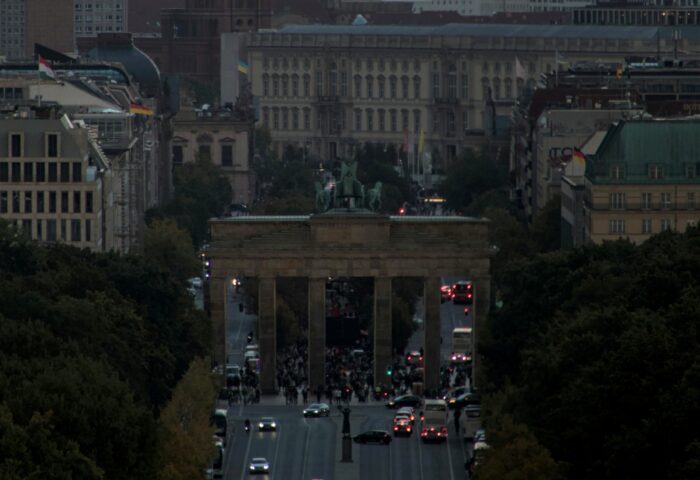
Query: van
462, 292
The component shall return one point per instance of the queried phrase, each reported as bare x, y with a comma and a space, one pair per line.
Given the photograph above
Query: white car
259, 465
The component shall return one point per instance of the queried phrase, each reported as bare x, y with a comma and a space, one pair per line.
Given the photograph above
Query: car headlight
266, 467
260, 425
273, 425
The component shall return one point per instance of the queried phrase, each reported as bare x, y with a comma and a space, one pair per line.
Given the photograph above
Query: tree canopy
91, 346
596, 350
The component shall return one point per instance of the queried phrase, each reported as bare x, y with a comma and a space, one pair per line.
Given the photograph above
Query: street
309, 448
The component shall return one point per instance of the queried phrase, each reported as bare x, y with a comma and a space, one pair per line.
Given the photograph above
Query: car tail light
420, 358
408, 358
454, 357
408, 429
396, 429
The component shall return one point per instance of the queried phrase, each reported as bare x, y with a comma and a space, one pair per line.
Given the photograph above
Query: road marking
306, 450
245, 456
278, 434
390, 463
420, 458
449, 458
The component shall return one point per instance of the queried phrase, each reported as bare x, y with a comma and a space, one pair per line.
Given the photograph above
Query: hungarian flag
579, 157
45, 71
137, 109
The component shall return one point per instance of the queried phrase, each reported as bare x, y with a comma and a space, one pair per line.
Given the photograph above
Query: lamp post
347, 439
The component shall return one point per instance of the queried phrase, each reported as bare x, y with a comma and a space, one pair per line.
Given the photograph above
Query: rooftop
500, 30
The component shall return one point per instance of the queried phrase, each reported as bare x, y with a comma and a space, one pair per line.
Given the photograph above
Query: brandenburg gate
346, 243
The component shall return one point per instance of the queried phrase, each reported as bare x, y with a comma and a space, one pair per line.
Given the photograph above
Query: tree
171, 247
515, 454
202, 191
469, 176
377, 163
291, 204
546, 227
186, 446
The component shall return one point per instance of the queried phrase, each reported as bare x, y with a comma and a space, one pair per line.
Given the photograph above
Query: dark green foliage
377, 163
469, 176
597, 352
201, 192
91, 346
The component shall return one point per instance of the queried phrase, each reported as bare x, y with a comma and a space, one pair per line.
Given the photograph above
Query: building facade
222, 136
643, 179
329, 88
26, 22
472, 7
93, 17
55, 182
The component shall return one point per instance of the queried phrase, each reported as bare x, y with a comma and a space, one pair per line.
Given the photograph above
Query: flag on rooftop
519, 69
579, 157
137, 109
243, 67
45, 70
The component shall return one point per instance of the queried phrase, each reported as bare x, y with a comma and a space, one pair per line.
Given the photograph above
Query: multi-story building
331, 87
641, 177
558, 5
26, 22
93, 17
101, 96
472, 7
223, 136
55, 181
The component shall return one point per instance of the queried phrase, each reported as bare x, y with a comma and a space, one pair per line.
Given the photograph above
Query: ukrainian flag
242, 67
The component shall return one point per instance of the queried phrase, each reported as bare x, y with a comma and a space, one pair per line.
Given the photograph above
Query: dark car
465, 399
267, 424
463, 292
373, 436
405, 401
403, 426
317, 410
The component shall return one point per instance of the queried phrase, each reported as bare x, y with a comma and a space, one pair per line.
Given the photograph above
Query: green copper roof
637, 145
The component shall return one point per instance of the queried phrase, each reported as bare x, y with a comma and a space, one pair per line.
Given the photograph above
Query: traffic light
389, 370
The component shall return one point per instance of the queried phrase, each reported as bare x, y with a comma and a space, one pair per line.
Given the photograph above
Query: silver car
259, 465
317, 410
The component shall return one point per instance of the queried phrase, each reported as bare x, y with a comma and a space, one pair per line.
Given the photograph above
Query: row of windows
16, 145
284, 63
618, 226
64, 172
204, 151
655, 172
618, 201
11, 93
87, 6
52, 230
46, 202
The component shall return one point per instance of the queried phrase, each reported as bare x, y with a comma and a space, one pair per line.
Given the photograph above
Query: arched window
485, 88
333, 80
452, 81
404, 87
295, 85
266, 116
295, 118
393, 86
393, 120
266, 85
508, 83
370, 84
380, 86
416, 87
275, 85
285, 85
307, 85
370, 119
358, 86
496, 88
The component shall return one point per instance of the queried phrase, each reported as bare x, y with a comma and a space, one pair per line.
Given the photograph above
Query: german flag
579, 157
137, 109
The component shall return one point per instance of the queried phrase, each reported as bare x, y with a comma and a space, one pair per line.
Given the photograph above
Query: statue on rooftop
323, 198
374, 197
349, 192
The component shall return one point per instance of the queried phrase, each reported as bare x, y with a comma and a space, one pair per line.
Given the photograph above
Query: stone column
480, 312
317, 333
217, 315
267, 333
432, 330
382, 329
